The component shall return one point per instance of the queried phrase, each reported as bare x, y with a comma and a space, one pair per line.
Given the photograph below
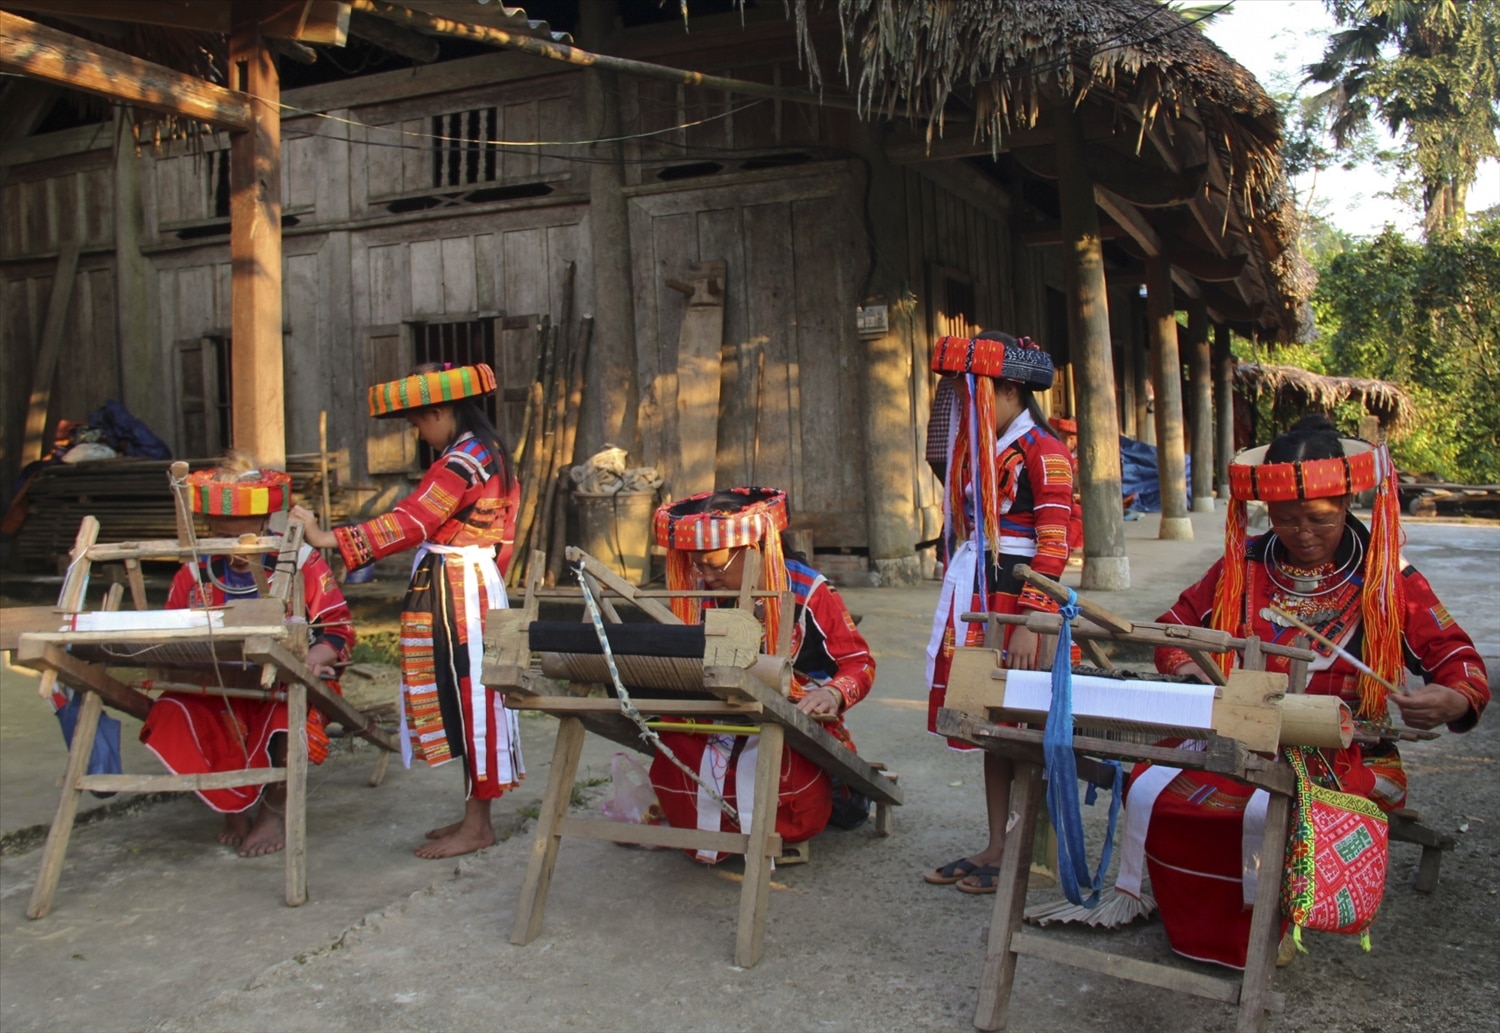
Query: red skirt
195, 735
804, 798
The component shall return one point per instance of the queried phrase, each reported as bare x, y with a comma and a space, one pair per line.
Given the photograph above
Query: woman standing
462, 520
1009, 499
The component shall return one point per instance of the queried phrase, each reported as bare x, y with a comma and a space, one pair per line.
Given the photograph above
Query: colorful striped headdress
397, 397
978, 363
256, 493
686, 526
1362, 467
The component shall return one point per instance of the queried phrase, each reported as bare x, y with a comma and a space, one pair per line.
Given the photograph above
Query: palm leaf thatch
1009, 60
1380, 398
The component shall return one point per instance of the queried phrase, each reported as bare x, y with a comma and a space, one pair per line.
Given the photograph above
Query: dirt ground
156, 927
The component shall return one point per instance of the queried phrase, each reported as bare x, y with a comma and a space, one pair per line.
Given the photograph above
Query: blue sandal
985, 879
951, 872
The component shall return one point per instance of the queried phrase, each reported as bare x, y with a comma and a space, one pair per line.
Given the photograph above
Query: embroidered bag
1336, 859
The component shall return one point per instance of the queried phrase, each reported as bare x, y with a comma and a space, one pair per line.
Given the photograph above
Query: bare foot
235, 827
444, 831
268, 834
464, 841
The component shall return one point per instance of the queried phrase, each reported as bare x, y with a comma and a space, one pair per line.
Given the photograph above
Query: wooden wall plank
416, 154
458, 275
306, 375
521, 122
390, 290
384, 160
770, 318
527, 265
828, 357
674, 244
426, 270
488, 281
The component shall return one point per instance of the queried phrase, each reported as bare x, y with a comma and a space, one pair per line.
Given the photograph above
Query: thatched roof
1008, 60
1387, 401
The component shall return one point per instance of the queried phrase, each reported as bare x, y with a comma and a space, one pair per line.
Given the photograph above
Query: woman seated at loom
198, 733
707, 538
1319, 564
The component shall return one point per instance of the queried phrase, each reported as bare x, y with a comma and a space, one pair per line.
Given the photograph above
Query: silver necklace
1308, 586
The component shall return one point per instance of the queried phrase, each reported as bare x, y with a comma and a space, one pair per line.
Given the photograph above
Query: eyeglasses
1313, 527
699, 562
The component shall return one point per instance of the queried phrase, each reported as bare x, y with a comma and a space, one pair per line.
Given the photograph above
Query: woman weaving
1319, 564
708, 538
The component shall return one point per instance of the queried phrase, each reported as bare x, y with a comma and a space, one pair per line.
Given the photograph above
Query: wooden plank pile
548, 436
132, 501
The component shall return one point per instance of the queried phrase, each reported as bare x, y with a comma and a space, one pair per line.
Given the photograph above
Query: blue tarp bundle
1138, 475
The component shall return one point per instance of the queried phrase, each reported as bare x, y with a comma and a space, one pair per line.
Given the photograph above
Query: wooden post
136, 330
45, 370
255, 245
296, 793
999, 973
755, 894
1224, 394
1166, 370
890, 457
1105, 565
544, 844
1145, 426
609, 412
1200, 376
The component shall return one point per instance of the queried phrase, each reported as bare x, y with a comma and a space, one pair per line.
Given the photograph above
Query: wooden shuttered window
205, 399
390, 445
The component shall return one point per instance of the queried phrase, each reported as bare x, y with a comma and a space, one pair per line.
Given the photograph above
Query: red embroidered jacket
1036, 475
458, 502
327, 611
1436, 648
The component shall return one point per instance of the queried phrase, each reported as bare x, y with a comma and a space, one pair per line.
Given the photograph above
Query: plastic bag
634, 801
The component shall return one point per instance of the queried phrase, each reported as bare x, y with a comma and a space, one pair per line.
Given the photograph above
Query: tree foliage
1429, 69
1427, 317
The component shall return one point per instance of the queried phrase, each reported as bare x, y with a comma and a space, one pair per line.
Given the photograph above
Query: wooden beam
45, 371
1143, 233
311, 21
1135, 180
259, 419
1105, 565
947, 149
421, 49
43, 53
1166, 369
421, 21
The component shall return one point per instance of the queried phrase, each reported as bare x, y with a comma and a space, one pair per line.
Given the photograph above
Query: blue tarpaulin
1138, 475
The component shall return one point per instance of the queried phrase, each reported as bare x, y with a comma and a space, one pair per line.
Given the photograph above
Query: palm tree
1430, 68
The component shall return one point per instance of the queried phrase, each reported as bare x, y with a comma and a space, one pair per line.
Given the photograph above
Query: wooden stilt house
757, 263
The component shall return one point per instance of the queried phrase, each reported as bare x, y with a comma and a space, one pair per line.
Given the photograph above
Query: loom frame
734, 692
253, 632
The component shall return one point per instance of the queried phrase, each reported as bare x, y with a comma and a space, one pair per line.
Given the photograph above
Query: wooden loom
729, 678
1253, 710
246, 634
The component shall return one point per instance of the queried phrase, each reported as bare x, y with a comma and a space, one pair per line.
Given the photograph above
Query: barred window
463, 148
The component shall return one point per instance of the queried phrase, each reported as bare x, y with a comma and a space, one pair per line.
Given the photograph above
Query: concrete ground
157, 927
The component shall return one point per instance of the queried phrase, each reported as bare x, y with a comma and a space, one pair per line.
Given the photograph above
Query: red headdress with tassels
988, 360
686, 526
1362, 467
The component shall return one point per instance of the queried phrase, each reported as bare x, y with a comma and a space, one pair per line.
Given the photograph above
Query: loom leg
1265, 923
999, 974
755, 894
296, 794
67, 806
544, 844
377, 773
